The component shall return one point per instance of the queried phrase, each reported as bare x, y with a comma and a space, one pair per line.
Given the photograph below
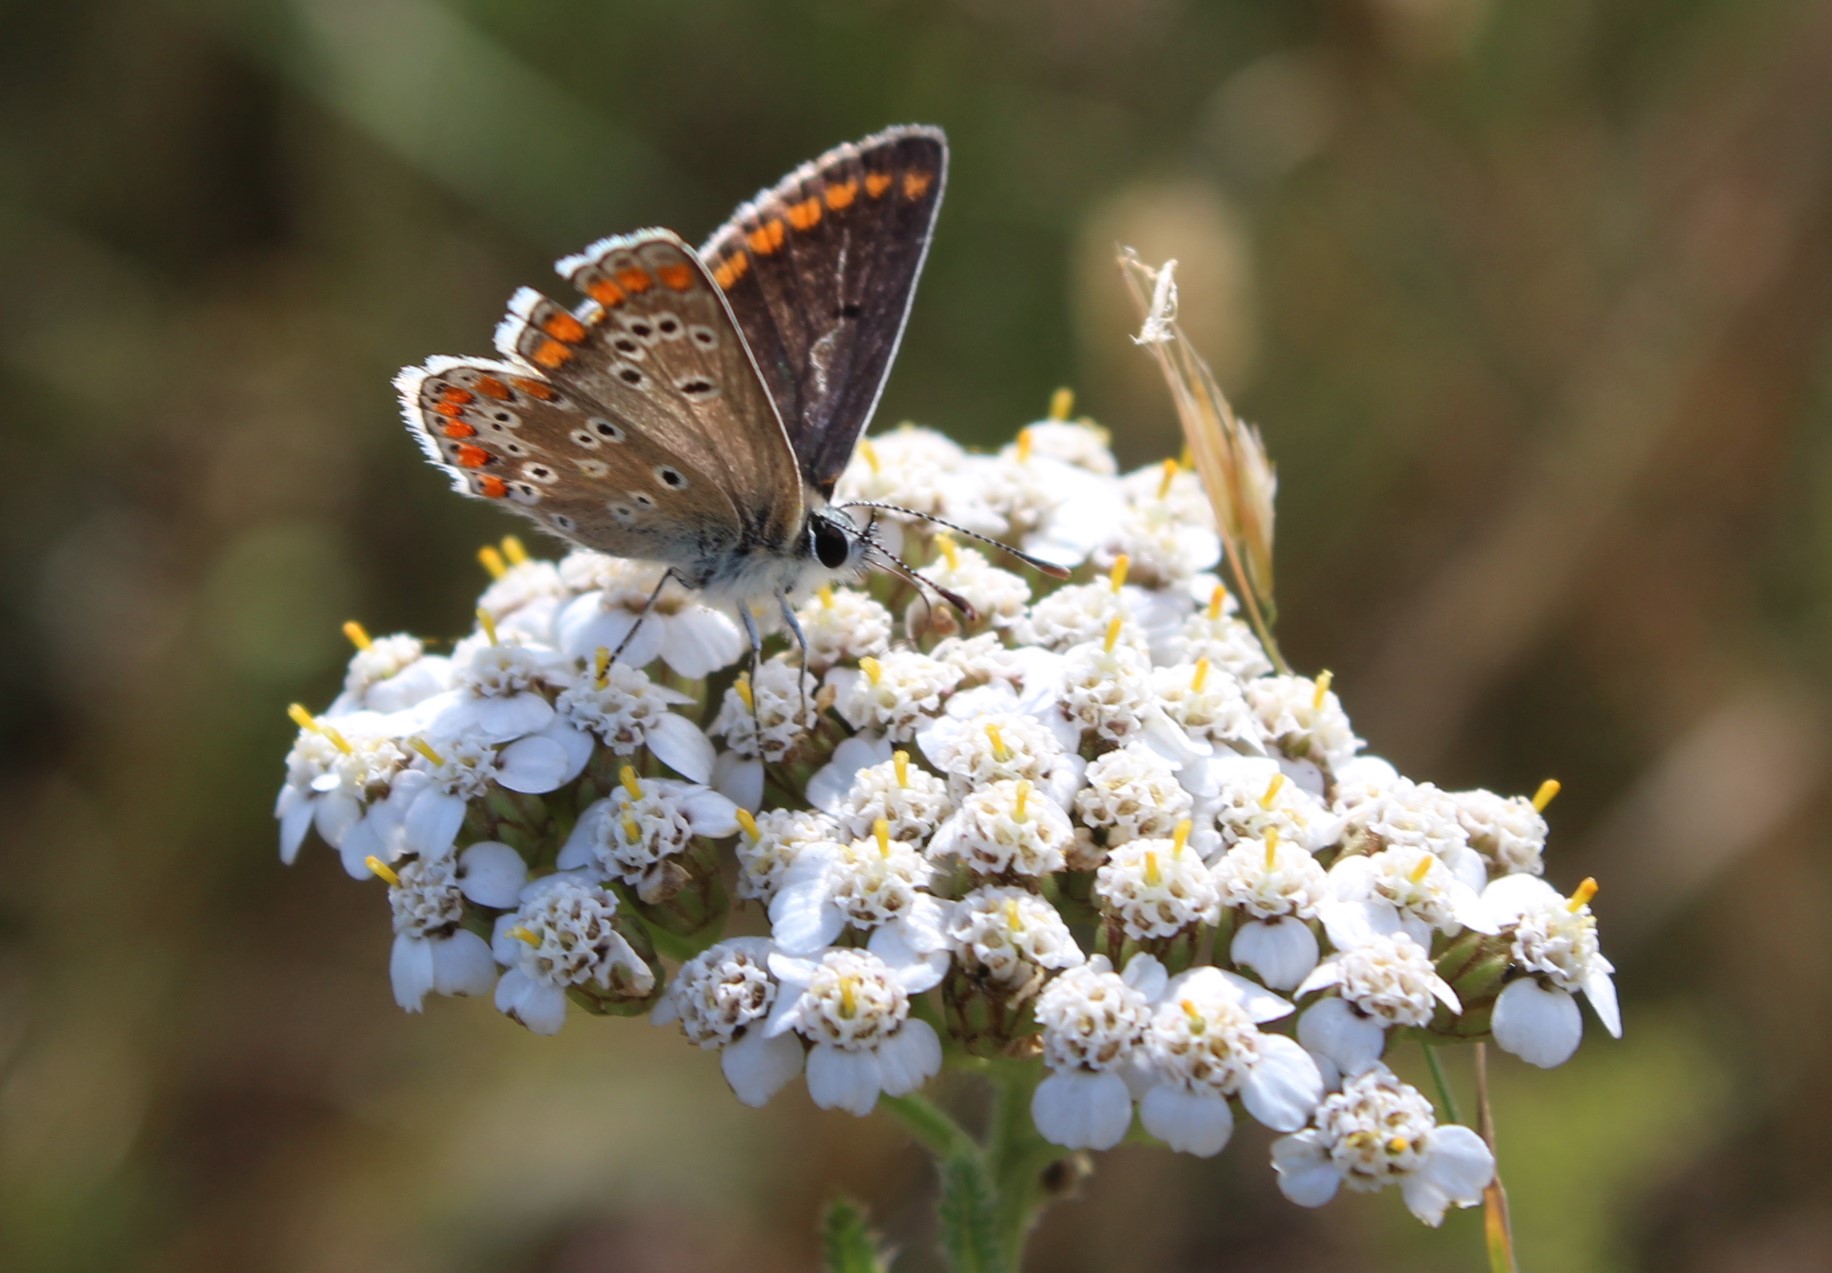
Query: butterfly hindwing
820, 272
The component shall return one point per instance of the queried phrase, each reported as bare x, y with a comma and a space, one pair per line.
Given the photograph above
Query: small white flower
763, 718
498, 691
1092, 1020
1213, 634
1106, 688
1400, 890
1509, 832
986, 660
722, 999
1166, 528
853, 1006
1555, 947
894, 695
770, 844
1006, 829
1009, 937
1249, 798
974, 751
524, 598
1274, 888
694, 639
391, 674
1203, 1046
1381, 982
1132, 793
432, 953
843, 625
1156, 889
626, 711
632, 833
1303, 718
875, 884
916, 468
561, 937
347, 778
1378, 1131
1413, 815
1208, 704
911, 799
1078, 614
1051, 506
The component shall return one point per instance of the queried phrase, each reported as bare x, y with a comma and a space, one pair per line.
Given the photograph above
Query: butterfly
696, 408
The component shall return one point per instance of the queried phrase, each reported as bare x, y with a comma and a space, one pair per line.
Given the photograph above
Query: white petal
1510, 896
463, 964
838, 1079
710, 814
909, 1058
679, 744
1457, 1169
1079, 1110
410, 968
700, 641
1350, 922
832, 781
433, 821
1187, 1122
1306, 1175
757, 1067
1146, 975
1541, 1025
534, 765
581, 847
493, 874
1601, 991
914, 968
739, 780
1322, 977
540, 1007
334, 813
1284, 1089
295, 816
498, 719
803, 919
1333, 1029
1282, 951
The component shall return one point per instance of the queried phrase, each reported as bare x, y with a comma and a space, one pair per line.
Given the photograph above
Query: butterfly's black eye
831, 547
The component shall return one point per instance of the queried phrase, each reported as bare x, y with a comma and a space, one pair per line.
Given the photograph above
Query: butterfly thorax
828, 548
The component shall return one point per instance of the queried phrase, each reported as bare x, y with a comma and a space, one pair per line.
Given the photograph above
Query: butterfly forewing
820, 272
636, 425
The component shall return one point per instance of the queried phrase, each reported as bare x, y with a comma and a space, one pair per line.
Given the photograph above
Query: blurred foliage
1531, 300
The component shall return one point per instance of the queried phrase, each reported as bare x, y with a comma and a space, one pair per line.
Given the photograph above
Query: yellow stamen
1548, 791
1418, 873
514, 550
358, 636
1024, 790
425, 748
1190, 1010
1272, 791
1024, 445
944, 544
900, 762
492, 561
1322, 691
1113, 633
1202, 674
382, 870
1180, 836
1000, 751
742, 688
746, 821
1272, 847
1061, 403
870, 453
627, 776
632, 831
874, 670
1121, 564
1171, 469
337, 739
849, 997
1014, 918
487, 622
1581, 898
601, 666
1186, 458
825, 593
882, 830
524, 935
303, 719
1398, 1145
1217, 599
1153, 876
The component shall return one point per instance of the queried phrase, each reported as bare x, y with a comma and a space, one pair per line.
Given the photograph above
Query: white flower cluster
1090, 824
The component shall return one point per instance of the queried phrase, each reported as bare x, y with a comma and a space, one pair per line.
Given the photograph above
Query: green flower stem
931, 1125
1445, 1096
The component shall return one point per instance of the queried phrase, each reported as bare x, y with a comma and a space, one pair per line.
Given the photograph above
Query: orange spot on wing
452, 393
766, 238
876, 183
536, 389
806, 214
459, 429
550, 354
606, 293
916, 183
635, 281
841, 195
473, 457
449, 408
679, 277
561, 326
731, 269
492, 487
491, 387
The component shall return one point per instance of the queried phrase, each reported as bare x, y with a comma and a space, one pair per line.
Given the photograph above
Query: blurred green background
1531, 299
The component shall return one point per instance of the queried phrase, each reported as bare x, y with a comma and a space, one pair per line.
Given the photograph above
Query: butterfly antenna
1049, 568
903, 570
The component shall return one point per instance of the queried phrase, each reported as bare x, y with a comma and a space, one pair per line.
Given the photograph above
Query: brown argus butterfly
698, 407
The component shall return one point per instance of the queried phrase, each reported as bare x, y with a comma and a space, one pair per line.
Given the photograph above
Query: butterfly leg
801, 639
750, 629
642, 614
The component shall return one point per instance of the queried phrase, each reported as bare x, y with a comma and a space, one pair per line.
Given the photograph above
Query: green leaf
968, 1215
846, 1244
